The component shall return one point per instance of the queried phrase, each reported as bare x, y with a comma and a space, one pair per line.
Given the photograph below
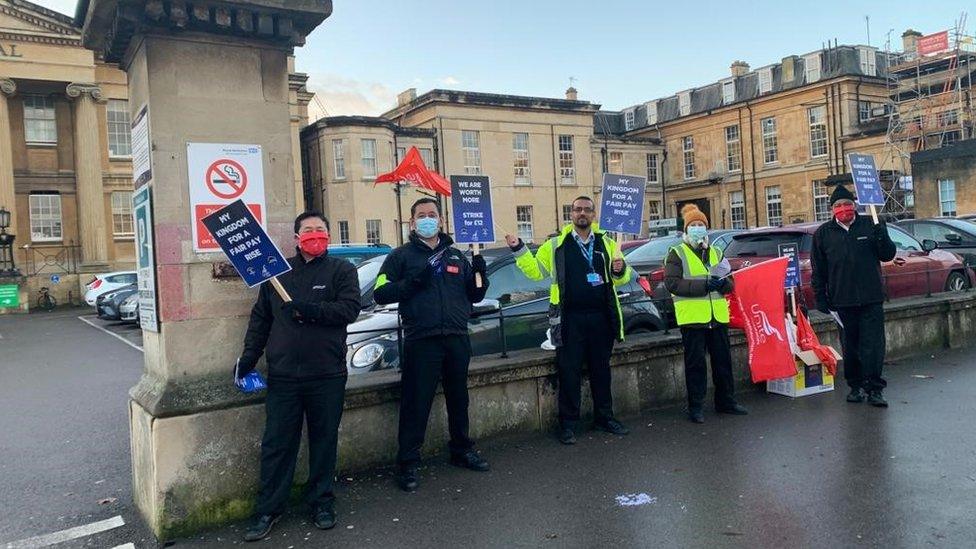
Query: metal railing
60, 259
934, 281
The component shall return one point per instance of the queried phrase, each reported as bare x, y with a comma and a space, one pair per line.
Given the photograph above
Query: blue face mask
697, 233
428, 227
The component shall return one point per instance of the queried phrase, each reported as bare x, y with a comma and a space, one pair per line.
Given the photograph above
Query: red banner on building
761, 309
933, 43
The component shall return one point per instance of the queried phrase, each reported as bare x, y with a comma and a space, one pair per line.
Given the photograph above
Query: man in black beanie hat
846, 257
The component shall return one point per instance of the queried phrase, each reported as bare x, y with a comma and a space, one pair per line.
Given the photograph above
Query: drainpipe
742, 172
555, 173
752, 158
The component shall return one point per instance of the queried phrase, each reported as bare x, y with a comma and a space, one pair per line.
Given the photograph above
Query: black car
648, 261
953, 235
108, 304
372, 341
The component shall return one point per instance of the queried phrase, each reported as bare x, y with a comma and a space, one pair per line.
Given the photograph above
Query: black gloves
880, 230
479, 265
726, 287
823, 306
421, 279
243, 366
713, 284
300, 310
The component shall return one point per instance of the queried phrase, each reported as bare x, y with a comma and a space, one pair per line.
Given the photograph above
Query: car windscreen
367, 273
766, 244
654, 250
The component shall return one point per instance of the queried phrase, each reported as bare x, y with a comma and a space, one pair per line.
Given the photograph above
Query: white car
107, 282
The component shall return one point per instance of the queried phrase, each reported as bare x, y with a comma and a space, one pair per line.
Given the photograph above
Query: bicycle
46, 301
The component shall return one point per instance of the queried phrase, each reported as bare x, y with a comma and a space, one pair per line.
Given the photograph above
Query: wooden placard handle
280, 289
476, 250
874, 213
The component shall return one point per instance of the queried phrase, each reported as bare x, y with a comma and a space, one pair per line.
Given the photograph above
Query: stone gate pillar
210, 72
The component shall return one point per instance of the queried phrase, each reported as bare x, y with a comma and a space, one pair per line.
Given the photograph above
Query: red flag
412, 169
735, 314
759, 292
808, 341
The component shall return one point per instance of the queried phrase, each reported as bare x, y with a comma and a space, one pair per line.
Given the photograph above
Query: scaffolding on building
930, 105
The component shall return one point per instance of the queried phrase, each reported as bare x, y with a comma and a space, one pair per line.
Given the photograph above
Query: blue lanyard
587, 250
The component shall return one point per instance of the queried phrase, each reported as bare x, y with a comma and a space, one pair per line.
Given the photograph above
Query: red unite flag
759, 308
413, 169
807, 340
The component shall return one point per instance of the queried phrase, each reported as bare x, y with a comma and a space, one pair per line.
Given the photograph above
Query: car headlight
367, 355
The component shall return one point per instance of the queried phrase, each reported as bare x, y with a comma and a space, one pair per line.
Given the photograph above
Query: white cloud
450, 81
347, 96
66, 7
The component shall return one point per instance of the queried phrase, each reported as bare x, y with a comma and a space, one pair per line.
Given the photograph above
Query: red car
919, 268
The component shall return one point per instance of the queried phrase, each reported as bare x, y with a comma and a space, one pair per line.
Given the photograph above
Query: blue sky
620, 52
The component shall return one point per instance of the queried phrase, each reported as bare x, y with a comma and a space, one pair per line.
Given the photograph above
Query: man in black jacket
846, 257
304, 341
435, 286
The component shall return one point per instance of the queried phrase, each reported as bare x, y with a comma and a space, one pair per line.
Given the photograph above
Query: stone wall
210, 468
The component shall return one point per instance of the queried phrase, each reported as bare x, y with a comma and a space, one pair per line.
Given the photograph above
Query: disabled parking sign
253, 253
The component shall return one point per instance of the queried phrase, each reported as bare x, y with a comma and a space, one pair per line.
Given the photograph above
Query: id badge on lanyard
592, 277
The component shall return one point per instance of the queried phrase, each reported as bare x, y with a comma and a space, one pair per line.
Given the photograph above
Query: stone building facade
540, 154
65, 165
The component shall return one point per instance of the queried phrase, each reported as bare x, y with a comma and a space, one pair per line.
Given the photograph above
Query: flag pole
476, 250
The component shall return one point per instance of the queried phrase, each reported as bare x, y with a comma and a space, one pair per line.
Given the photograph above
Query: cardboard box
811, 377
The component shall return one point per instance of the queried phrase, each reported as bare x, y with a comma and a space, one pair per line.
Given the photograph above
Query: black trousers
715, 340
863, 339
426, 362
586, 337
289, 403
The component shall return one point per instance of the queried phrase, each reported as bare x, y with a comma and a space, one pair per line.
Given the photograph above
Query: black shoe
261, 527
612, 426
470, 460
407, 479
734, 409
567, 436
696, 416
856, 395
324, 518
875, 399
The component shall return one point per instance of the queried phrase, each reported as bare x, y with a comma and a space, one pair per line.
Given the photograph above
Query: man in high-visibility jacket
585, 267
702, 314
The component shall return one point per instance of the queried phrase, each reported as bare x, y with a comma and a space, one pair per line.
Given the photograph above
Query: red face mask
845, 213
314, 243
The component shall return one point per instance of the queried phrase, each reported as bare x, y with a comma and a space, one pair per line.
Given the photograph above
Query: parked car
357, 253
108, 304
628, 246
953, 235
107, 282
648, 261
524, 303
129, 309
918, 267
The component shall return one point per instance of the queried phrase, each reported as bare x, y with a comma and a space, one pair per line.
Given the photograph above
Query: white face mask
697, 234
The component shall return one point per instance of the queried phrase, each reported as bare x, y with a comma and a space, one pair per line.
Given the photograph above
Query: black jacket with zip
432, 302
847, 263
315, 346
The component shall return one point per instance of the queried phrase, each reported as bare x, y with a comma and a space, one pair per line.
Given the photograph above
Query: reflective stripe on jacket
548, 262
705, 308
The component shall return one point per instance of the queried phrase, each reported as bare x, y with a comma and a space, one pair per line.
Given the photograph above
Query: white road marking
69, 534
129, 545
111, 333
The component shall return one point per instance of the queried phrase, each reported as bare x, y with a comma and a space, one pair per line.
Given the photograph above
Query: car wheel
641, 329
956, 282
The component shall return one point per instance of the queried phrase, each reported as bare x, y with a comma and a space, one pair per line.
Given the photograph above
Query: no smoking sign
219, 174
226, 179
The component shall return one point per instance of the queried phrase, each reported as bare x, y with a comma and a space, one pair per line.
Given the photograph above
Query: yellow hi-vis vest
703, 309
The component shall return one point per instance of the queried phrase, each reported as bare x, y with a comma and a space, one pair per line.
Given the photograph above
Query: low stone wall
207, 437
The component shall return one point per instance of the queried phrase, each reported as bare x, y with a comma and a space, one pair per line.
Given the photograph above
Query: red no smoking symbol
226, 179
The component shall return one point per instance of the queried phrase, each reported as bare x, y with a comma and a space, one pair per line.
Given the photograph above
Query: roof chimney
406, 97
571, 94
909, 40
739, 68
